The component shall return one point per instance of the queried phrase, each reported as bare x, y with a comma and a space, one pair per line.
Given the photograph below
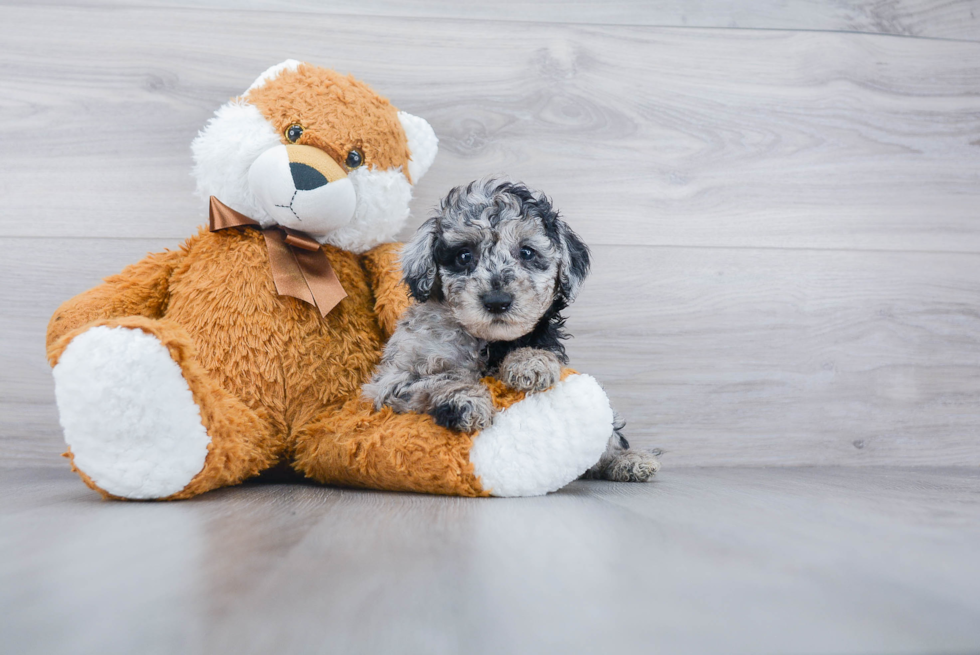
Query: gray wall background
783, 199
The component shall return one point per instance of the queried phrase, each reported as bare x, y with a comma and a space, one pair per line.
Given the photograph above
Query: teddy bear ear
273, 72
422, 144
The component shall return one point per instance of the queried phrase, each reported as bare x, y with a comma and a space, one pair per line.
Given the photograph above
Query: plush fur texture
513, 466
382, 209
337, 114
224, 152
102, 377
265, 368
422, 143
272, 381
272, 72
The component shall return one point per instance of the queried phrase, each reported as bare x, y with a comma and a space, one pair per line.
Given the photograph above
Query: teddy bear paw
128, 414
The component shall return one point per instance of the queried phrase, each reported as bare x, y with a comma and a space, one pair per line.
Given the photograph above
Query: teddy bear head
315, 151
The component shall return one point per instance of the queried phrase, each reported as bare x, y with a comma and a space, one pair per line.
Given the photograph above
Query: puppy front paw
464, 413
530, 369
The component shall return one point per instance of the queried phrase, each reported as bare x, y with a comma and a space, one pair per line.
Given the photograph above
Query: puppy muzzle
303, 188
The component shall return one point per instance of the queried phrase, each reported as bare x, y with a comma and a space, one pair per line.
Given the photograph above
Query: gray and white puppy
491, 272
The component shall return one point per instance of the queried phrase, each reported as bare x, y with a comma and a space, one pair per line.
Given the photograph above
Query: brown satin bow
300, 267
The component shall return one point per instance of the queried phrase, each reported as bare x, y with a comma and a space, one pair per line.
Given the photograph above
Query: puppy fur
491, 272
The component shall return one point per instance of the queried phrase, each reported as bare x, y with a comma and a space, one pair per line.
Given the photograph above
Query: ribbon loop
300, 268
300, 240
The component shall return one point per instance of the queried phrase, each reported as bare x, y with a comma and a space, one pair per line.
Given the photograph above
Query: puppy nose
497, 302
305, 177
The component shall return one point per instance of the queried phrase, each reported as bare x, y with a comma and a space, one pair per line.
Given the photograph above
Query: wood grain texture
717, 356
785, 224
785, 231
643, 135
700, 561
38, 275
950, 19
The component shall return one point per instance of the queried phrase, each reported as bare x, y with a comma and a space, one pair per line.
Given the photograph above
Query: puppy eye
527, 253
294, 132
464, 257
354, 159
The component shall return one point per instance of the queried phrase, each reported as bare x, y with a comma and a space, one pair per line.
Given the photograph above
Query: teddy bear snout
303, 188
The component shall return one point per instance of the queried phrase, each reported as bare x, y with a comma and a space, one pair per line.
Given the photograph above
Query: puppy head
307, 148
499, 256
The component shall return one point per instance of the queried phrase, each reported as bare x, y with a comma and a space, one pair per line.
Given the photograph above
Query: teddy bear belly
271, 351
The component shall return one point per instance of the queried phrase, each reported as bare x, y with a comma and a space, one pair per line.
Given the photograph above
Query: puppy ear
418, 260
574, 264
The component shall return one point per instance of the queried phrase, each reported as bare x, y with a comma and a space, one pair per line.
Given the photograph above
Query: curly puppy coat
491, 272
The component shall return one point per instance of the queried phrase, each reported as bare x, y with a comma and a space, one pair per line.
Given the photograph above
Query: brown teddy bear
200, 367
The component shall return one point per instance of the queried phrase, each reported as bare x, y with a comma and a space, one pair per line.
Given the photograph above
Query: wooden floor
783, 201
705, 560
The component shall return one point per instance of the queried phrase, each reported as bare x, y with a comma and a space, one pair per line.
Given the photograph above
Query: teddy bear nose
305, 177
497, 302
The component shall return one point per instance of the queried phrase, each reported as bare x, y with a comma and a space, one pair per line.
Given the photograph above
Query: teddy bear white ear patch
273, 72
422, 143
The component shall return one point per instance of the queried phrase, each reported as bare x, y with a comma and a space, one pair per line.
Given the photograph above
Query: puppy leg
455, 402
392, 387
622, 464
530, 369
461, 405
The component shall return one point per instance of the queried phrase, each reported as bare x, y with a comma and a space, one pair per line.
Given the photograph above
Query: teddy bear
247, 346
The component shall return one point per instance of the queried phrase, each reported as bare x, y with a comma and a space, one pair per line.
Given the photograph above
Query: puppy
491, 272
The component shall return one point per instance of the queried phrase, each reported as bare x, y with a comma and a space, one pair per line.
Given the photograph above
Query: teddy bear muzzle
303, 188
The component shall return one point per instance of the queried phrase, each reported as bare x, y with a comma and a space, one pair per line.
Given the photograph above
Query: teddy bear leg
537, 443
142, 418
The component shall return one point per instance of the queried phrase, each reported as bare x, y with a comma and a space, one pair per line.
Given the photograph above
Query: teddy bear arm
354, 445
391, 297
141, 289
538, 443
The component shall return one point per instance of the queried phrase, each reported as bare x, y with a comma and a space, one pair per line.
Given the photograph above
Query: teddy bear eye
294, 132
527, 253
464, 256
354, 159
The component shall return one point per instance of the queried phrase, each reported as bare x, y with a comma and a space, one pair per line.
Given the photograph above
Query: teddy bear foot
128, 414
545, 441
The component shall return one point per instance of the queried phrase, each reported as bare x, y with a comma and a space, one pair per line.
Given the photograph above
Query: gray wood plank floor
815, 560
782, 199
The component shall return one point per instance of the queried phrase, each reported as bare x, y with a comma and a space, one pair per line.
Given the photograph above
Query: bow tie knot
300, 268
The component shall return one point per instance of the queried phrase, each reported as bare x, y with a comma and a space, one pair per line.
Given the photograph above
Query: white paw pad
545, 441
128, 414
